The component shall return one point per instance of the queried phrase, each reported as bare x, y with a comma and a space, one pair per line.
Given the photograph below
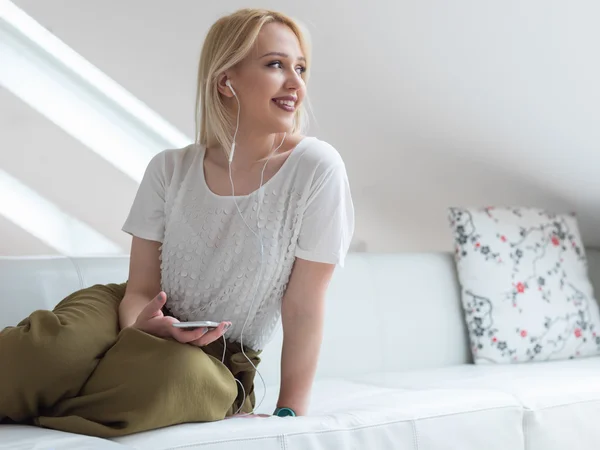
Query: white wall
52, 163
431, 103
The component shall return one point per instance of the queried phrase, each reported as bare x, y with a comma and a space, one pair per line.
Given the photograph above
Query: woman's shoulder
320, 155
179, 156
173, 160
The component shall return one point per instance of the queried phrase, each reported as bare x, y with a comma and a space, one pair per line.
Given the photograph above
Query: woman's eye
279, 65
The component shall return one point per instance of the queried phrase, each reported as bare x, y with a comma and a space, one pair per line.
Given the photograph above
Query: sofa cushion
560, 399
525, 288
347, 415
27, 437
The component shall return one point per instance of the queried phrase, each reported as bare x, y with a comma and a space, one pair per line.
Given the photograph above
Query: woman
244, 227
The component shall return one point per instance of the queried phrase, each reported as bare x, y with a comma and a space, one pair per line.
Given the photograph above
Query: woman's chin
283, 126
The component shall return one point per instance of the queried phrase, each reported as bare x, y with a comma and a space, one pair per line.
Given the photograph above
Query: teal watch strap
284, 412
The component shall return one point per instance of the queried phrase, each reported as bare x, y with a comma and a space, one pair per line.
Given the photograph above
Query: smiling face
269, 81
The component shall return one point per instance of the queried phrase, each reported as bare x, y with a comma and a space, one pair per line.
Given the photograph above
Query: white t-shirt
211, 261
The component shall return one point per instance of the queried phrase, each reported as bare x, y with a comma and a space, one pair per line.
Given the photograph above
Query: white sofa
394, 371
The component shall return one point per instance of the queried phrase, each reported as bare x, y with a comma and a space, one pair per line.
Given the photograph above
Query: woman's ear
222, 86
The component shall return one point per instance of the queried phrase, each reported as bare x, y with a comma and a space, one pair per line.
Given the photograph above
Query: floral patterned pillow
524, 284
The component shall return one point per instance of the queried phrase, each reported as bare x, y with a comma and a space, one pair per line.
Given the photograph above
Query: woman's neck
251, 149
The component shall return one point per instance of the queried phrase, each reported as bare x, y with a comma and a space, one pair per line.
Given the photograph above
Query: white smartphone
195, 325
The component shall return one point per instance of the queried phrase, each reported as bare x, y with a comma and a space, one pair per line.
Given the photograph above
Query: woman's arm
144, 280
303, 310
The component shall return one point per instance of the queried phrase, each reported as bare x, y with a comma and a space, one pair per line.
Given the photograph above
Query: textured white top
211, 261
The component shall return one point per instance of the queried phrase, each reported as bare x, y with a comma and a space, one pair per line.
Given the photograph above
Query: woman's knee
42, 365
42, 344
152, 374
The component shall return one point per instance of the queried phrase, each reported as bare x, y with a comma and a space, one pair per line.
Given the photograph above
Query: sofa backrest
385, 312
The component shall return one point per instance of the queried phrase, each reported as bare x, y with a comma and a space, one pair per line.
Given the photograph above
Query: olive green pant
73, 369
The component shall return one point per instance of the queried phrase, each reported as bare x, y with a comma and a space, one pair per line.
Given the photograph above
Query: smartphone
195, 325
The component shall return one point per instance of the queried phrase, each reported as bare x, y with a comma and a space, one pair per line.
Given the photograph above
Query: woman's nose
294, 80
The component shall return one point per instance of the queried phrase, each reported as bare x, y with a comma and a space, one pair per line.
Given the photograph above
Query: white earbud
228, 83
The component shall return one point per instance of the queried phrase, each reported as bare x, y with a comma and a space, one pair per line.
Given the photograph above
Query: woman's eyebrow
281, 54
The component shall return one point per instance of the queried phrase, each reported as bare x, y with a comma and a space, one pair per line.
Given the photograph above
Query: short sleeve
328, 221
146, 218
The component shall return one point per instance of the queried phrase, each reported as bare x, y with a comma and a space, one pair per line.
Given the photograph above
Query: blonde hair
227, 43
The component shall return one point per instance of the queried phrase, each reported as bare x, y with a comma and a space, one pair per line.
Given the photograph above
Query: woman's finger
213, 335
187, 336
153, 308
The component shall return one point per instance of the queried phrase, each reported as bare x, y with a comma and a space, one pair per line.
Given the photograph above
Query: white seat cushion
22, 437
561, 400
356, 415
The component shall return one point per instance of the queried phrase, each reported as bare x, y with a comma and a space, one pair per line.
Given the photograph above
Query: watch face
285, 412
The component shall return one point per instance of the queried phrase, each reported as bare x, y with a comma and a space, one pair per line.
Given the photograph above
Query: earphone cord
259, 275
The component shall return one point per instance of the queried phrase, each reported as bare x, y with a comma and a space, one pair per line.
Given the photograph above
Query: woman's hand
152, 321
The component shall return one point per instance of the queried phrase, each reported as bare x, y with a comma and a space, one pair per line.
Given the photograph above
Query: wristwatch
284, 412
